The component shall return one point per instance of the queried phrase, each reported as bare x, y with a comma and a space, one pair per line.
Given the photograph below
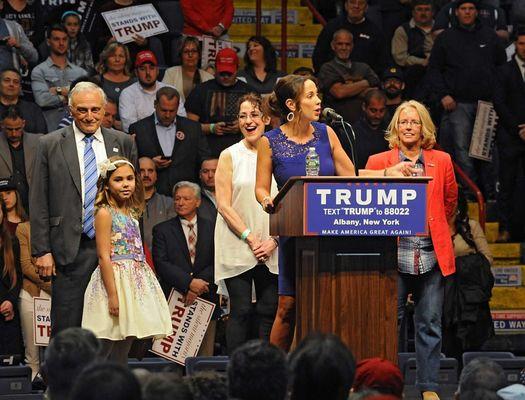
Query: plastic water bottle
312, 162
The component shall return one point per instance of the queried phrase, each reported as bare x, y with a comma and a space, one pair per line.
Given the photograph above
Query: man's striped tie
90, 186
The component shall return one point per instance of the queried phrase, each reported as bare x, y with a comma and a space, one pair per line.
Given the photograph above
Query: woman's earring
290, 116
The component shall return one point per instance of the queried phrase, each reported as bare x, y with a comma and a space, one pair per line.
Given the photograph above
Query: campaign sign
507, 276
509, 321
210, 48
365, 209
189, 326
41, 320
143, 20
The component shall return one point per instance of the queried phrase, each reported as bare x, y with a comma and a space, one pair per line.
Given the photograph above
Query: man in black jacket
509, 101
175, 144
369, 42
461, 71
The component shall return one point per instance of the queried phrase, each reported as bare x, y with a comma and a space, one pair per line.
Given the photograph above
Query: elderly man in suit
17, 151
176, 144
62, 197
183, 252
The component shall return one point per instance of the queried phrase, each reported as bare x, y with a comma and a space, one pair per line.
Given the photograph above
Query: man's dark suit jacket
189, 150
29, 144
509, 102
172, 258
55, 195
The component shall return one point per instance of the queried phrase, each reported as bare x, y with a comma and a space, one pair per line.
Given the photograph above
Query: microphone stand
344, 125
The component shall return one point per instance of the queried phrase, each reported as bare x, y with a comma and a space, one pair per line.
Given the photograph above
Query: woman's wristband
212, 128
245, 234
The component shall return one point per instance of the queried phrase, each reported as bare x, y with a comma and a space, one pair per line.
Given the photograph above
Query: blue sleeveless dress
289, 159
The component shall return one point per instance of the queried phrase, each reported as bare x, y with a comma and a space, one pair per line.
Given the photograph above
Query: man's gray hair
481, 373
86, 87
340, 32
182, 184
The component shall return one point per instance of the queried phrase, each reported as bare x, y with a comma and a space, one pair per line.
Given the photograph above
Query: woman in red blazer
423, 261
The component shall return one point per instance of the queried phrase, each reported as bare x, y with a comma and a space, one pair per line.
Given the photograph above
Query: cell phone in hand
166, 158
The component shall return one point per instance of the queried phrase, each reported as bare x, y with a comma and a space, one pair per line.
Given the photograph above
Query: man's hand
521, 131
199, 286
224, 128
45, 266
140, 40
12, 42
7, 310
160, 162
448, 103
217, 30
190, 298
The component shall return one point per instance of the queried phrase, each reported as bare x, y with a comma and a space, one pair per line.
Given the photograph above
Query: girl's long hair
135, 203
6, 244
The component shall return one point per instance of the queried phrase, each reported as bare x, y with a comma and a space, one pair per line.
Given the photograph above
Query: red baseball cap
226, 61
145, 56
377, 373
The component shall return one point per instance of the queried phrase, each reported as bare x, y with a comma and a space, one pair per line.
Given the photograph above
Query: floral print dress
143, 310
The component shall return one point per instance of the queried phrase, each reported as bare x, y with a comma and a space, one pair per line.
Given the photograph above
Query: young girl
123, 300
79, 50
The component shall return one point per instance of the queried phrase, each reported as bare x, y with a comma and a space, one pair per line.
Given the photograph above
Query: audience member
245, 256
186, 76
380, 375
214, 103
28, 14
110, 115
68, 353
159, 208
208, 385
393, 84
10, 285
14, 210
208, 207
17, 152
114, 69
423, 261
509, 98
369, 43
480, 374
174, 143
137, 101
62, 235
207, 17
10, 92
343, 81
370, 129
183, 250
412, 43
461, 71
166, 386
322, 367
490, 15
51, 79
260, 65
67, 120
32, 286
304, 71
79, 50
106, 381
16, 51
258, 371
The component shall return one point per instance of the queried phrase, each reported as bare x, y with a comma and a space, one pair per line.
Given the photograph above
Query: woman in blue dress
282, 152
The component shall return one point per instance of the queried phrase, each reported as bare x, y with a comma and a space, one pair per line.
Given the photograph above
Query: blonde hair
428, 129
135, 203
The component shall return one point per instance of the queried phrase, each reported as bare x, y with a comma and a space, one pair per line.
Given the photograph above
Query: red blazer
442, 197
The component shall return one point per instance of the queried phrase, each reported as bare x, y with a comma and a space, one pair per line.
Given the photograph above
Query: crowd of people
174, 165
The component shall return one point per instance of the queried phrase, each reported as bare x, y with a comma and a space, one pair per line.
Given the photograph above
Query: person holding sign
282, 152
245, 253
424, 261
123, 300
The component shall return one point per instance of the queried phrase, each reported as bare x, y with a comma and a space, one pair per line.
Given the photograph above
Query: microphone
329, 113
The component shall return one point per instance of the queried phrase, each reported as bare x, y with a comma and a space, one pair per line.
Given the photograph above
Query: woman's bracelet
245, 234
275, 240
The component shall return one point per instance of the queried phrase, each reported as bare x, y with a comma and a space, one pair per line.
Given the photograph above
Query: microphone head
328, 113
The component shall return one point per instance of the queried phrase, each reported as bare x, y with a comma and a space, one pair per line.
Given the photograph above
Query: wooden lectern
346, 285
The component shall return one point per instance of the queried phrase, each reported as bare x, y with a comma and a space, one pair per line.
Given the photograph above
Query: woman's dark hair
106, 381
270, 55
288, 87
322, 367
6, 244
462, 224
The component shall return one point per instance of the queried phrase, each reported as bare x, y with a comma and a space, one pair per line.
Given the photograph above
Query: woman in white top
244, 250
186, 76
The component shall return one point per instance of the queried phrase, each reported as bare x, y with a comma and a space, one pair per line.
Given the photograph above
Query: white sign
210, 48
141, 20
42, 320
189, 326
484, 132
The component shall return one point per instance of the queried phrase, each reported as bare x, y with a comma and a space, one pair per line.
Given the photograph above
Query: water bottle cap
311, 148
